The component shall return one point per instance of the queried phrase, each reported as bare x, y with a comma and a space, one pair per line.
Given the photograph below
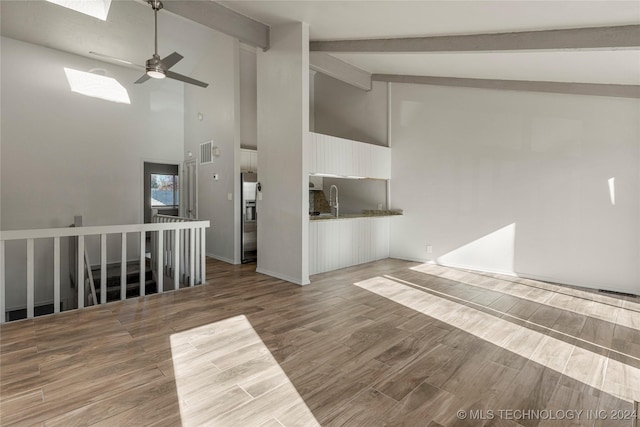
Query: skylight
96, 8
97, 86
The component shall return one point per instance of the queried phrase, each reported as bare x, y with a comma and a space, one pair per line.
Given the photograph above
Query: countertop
351, 216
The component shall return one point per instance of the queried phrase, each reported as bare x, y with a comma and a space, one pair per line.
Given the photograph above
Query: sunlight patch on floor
226, 376
596, 306
595, 370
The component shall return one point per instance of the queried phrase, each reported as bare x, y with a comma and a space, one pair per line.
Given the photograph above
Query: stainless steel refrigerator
248, 228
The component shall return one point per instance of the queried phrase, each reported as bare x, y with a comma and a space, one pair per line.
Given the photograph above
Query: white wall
523, 176
248, 98
65, 154
219, 105
283, 132
345, 111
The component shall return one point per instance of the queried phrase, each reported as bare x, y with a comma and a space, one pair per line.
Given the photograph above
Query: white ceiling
330, 20
128, 33
606, 67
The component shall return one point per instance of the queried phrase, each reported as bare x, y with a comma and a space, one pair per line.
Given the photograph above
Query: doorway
161, 189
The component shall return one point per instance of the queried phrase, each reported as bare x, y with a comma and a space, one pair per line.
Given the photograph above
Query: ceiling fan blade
142, 79
186, 79
113, 58
171, 60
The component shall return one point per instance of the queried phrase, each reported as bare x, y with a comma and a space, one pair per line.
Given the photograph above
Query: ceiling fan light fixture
156, 73
154, 67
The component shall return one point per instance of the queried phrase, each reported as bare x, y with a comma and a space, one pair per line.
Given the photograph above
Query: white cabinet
340, 243
248, 160
315, 183
253, 161
343, 157
245, 160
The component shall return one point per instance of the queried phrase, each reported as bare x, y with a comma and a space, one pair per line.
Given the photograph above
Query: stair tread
129, 286
113, 270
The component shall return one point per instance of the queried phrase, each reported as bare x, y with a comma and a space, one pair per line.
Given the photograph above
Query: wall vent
206, 152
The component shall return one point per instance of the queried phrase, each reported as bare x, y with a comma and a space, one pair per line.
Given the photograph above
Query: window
164, 191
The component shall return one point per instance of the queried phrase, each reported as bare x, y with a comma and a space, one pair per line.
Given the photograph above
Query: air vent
206, 155
622, 294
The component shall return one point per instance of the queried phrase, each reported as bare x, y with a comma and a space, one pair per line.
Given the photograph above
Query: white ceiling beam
223, 19
619, 37
594, 89
338, 69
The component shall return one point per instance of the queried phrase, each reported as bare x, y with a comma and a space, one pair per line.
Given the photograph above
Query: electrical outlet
379, 206
429, 249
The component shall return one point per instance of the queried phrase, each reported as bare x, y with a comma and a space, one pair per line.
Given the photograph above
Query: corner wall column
283, 132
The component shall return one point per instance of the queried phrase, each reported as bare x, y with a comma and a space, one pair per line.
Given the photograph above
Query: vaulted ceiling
128, 34
331, 20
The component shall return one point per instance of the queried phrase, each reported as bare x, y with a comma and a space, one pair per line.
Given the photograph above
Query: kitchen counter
384, 214
348, 240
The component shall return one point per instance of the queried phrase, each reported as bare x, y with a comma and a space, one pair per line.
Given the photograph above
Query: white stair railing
175, 231
183, 254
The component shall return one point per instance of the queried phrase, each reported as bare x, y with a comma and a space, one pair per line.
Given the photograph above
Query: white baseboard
452, 265
478, 269
281, 277
408, 258
220, 258
519, 274
574, 283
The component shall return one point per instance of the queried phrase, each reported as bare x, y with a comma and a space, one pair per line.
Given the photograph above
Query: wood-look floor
386, 343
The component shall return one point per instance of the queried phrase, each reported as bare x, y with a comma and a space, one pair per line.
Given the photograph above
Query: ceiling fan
156, 67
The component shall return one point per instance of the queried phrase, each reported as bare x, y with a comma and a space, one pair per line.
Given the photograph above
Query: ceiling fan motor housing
155, 4
155, 68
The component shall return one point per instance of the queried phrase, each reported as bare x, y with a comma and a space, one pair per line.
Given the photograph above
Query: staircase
177, 260
132, 278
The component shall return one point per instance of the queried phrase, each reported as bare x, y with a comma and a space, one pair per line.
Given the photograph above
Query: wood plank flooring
385, 343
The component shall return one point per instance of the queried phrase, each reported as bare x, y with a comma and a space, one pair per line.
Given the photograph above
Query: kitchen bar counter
352, 216
347, 240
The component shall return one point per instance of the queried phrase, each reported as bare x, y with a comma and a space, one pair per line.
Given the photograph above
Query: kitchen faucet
332, 203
